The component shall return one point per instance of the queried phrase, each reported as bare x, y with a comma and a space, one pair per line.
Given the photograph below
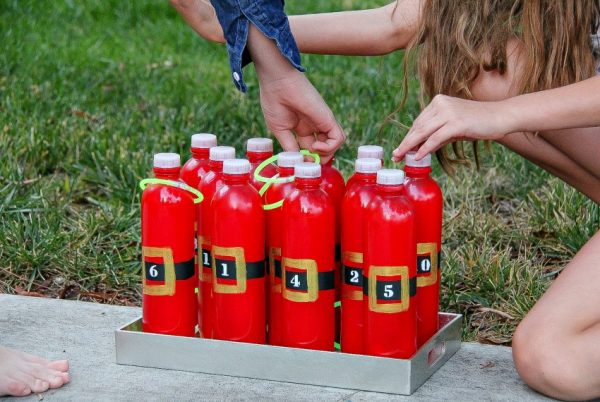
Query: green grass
90, 90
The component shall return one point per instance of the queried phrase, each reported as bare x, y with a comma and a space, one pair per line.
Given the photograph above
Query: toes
60, 365
16, 388
39, 386
56, 381
66, 377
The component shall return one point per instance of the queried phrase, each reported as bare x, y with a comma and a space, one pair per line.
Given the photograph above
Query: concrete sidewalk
84, 334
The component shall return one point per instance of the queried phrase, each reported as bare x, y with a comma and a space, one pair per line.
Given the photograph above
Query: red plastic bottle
367, 151
354, 205
308, 272
209, 185
169, 281
257, 151
390, 272
426, 197
238, 257
278, 191
334, 185
197, 166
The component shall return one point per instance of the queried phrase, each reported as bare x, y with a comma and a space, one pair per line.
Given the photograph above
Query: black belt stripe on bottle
183, 270
412, 285
254, 270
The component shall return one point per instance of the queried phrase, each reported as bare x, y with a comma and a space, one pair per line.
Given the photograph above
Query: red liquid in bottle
169, 279
257, 151
277, 192
209, 185
238, 257
426, 197
367, 151
389, 301
334, 186
354, 205
308, 272
197, 166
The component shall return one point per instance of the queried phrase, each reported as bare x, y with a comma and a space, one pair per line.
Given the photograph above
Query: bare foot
21, 373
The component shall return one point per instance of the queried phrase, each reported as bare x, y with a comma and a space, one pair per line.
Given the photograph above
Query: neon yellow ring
199, 197
272, 159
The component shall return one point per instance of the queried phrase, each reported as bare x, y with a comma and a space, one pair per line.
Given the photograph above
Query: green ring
263, 190
199, 197
316, 157
263, 165
273, 158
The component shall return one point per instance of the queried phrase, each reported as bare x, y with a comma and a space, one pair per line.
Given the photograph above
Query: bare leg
555, 347
21, 373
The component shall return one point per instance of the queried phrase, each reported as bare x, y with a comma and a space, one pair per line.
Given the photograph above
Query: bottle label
231, 271
389, 289
352, 275
302, 281
427, 264
165, 274
275, 268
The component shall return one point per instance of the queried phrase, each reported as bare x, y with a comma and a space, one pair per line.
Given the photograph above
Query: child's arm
448, 119
366, 32
361, 33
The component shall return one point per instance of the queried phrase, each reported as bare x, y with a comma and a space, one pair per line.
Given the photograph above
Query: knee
543, 362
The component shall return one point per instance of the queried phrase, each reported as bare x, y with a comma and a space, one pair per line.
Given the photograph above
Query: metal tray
330, 369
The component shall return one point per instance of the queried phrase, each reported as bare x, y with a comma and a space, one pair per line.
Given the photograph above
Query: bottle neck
417, 172
365, 177
215, 166
166, 173
200, 153
304, 183
285, 171
258, 157
235, 178
390, 190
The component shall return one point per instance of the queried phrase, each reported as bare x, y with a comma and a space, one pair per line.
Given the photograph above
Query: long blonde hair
456, 39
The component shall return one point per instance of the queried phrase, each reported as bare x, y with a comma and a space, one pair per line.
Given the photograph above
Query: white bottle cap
367, 165
204, 140
236, 166
370, 151
307, 170
390, 177
289, 159
167, 160
259, 145
221, 153
410, 160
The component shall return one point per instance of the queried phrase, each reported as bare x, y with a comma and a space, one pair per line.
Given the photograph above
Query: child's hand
292, 105
201, 16
447, 119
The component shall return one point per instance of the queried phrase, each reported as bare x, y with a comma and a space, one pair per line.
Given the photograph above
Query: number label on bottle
229, 269
300, 279
206, 258
159, 279
388, 289
427, 264
296, 281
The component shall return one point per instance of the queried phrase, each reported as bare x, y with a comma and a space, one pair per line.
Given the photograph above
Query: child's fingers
417, 135
287, 139
434, 142
328, 142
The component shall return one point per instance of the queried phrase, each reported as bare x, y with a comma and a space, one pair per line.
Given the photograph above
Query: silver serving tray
275, 363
